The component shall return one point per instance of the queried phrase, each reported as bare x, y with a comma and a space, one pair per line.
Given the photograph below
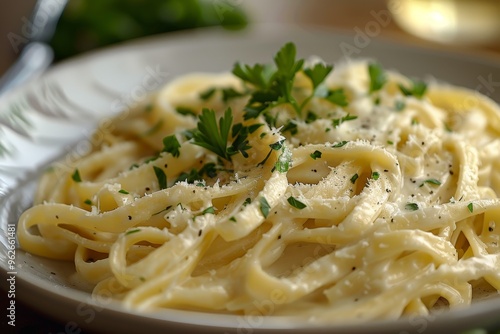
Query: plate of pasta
256, 182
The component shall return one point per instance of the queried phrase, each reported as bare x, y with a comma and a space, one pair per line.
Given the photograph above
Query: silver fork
37, 55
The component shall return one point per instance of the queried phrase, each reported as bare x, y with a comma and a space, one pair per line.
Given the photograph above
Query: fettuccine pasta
339, 194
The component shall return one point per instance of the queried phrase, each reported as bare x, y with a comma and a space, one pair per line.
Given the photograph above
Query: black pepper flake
279, 236
490, 229
386, 170
199, 233
148, 189
129, 217
353, 268
52, 273
165, 165
57, 217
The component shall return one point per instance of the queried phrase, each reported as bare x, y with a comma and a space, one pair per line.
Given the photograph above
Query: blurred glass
472, 22
89, 24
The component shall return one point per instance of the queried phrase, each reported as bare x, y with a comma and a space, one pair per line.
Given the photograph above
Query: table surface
345, 15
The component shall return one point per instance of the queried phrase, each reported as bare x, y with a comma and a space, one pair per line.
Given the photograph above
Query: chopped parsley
417, 89
338, 97
354, 178
185, 111
375, 175
470, 207
377, 77
132, 231
296, 203
431, 181
88, 202
123, 191
161, 177
76, 176
207, 94
171, 145
316, 154
337, 121
340, 144
411, 206
264, 207
210, 210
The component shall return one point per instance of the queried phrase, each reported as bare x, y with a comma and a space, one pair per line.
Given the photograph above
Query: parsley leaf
340, 143
338, 97
316, 154
76, 176
161, 177
207, 94
264, 207
377, 77
132, 231
431, 181
258, 75
470, 206
411, 206
171, 145
337, 121
318, 73
212, 136
296, 203
418, 89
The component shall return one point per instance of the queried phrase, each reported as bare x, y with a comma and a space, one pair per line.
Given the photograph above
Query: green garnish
337, 97
233, 219
132, 231
76, 176
88, 202
318, 73
431, 181
123, 191
316, 154
185, 111
171, 145
311, 117
264, 206
296, 203
418, 89
411, 206
377, 77
161, 177
375, 175
340, 143
212, 136
230, 93
205, 95
470, 207
210, 210
354, 178
337, 121
399, 105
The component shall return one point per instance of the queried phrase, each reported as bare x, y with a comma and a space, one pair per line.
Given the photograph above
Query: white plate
61, 108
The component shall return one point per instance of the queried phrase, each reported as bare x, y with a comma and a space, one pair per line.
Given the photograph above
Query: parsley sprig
213, 136
273, 84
